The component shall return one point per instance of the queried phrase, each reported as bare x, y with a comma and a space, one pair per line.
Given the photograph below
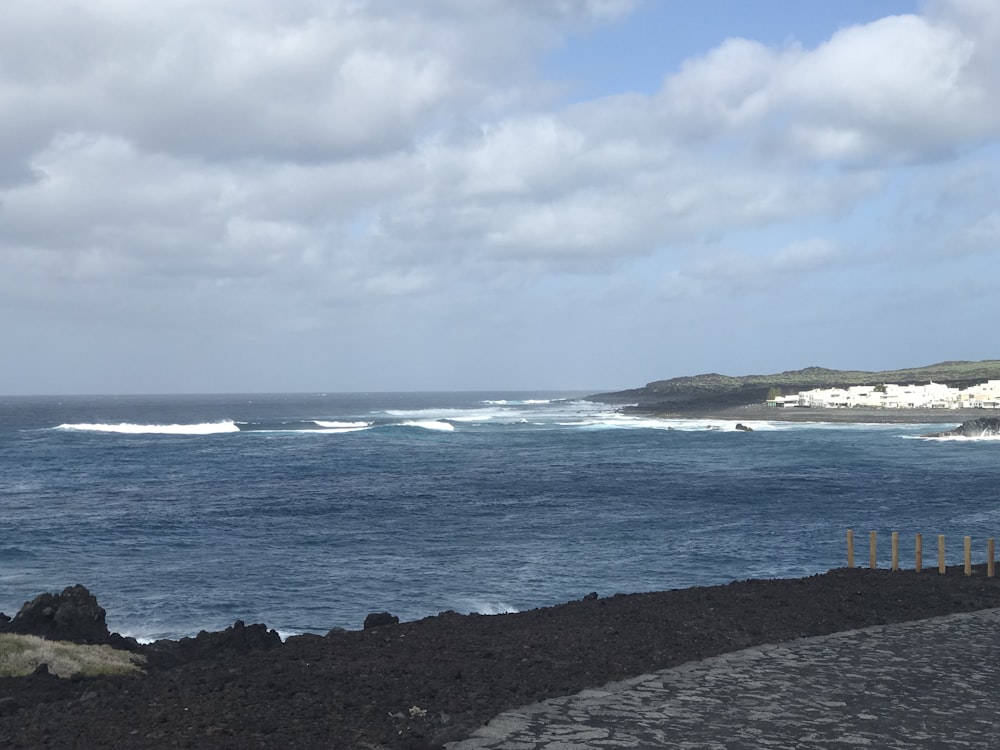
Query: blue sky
639, 49
492, 194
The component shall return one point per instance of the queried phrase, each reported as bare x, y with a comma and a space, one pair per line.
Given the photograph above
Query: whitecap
127, 428
522, 402
430, 424
341, 425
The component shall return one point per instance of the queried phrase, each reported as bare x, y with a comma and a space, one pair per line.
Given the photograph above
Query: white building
892, 396
983, 396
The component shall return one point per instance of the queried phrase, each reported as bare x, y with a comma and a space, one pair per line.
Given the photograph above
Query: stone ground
929, 684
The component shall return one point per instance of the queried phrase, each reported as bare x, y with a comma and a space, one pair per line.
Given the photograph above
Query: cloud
341, 159
302, 81
901, 89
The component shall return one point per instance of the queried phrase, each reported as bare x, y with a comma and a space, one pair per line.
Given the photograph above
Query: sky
205, 196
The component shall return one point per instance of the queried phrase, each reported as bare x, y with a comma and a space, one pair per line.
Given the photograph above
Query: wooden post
941, 554
968, 555
871, 551
919, 543
850, 548
895, 550
990, 549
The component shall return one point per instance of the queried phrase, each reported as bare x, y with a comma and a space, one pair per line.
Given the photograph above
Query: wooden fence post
850, 548
919, 543
990, 549
871, 551
968, 555
941, 554
895, 550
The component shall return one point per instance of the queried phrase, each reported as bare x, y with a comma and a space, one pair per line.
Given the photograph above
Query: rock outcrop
973, 428
379, 620
236, 640
73, 615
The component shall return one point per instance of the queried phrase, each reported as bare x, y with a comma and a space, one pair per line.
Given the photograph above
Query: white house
983, 396
894, 396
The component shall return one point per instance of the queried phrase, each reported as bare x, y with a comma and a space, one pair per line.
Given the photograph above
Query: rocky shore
423, 684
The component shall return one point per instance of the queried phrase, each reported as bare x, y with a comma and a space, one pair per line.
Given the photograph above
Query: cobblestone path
926, 684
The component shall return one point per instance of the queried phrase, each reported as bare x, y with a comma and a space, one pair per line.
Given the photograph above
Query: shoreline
762, 413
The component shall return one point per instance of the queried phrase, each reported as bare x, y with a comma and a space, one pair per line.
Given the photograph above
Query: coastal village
891, 396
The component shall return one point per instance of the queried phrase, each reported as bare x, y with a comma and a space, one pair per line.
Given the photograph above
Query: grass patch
20, 654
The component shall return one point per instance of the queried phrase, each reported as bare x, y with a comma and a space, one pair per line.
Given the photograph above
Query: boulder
380, 619
743, 428
982, 427
73, 615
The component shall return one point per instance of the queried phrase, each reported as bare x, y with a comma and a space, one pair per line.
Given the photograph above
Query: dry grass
21, 654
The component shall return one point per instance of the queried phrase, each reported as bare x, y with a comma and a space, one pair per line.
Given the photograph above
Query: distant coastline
744, 397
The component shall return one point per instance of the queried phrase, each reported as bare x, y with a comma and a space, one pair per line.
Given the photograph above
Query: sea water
307, 512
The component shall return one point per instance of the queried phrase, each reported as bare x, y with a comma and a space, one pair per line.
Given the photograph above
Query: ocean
307, 512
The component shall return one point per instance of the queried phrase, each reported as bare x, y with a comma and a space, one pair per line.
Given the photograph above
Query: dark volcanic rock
236, 640
73, 615
380, 619
982, 427
743, 428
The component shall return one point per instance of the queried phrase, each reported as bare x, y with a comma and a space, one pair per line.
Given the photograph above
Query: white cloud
904, 88
342, 159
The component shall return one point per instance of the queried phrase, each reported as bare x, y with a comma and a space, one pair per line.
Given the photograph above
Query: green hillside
715, 391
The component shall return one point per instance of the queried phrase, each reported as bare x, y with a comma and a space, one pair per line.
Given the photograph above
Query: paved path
927, 684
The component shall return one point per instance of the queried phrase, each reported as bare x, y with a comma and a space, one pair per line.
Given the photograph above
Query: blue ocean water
307, 512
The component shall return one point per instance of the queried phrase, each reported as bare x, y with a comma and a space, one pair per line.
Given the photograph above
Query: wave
503, 411
127, 428
468, 416
956, 438
341, 425
622, 422
430, 424
489, 608
619, 421
524, 402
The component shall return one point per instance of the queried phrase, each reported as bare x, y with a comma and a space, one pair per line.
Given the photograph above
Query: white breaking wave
957, 438
624, 422
491, 608
459, 415
126, 428
618, 421
504, 411
342, 425
525, 402
430, 424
